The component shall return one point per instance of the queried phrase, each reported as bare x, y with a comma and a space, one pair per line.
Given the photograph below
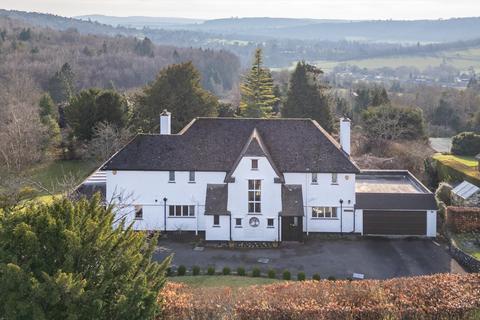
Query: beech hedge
441, 296
463, 219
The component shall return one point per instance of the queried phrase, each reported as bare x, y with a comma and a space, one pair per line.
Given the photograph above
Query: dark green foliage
256, 272
331, 278
47, 107
225, 110
393, 123
169, 272
61, 86
211, 271
226, 271
182, 270
306, 97
195, 270
49, 118
272, 274
67, 261
370, 96
466, 144
316, 276
93, 106
445, 115
286, 275
177, 89
145, 47
258, 98
25, 34
301, 276
241, 271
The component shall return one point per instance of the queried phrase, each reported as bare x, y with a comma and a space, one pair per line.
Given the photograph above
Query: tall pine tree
258, 98
306, 97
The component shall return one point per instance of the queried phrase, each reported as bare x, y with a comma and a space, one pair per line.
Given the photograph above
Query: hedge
441, 296
463, 219
466, 143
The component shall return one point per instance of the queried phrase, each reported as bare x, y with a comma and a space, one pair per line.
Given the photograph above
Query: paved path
376, 258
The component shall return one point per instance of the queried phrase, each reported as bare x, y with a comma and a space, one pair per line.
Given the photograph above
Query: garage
394, 222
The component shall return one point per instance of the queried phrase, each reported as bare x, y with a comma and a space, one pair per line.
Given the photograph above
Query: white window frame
216, 216
255, 189
334, 178
314, 178
181, 211
191, 176
324, 212
268, 223
254, 161
237, 224
171, 176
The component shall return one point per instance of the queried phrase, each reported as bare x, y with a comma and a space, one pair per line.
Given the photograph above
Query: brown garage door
394, 222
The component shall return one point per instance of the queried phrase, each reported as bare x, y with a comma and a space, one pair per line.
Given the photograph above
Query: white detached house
235, 179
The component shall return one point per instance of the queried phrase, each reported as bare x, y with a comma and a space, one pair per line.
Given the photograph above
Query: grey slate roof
216, 199
292, 200
214, 144
396, 201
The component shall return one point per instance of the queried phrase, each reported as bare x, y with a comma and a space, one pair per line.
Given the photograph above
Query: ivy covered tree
257, 90
93, 106
66, 260
177, 89
306, 97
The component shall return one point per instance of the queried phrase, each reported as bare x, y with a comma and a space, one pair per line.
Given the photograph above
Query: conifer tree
306, 97
61, 86
258, 98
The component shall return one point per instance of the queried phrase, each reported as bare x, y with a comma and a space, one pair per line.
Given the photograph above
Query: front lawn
469, 242
221, 281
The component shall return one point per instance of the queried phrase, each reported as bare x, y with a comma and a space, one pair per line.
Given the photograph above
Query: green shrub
169, 272
240, 271
301, 276
256, 272
195, 270
272, 274
211, 271
443, 193
226, 271
286, 275
331, 278
466, 144
181, 270
316, 276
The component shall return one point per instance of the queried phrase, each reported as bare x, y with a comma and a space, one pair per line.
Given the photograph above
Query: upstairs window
324, 212
191, 176
138, 212
181, 211
334, 178
171, 176
254, 164
314, 178
254, 196
216, 220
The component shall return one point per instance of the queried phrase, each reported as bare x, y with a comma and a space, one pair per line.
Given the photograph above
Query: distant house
466, 194
234, 179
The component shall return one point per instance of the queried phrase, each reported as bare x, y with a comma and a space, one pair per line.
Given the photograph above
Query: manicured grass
457, 168
50, 175
467, 242
221, 281
468, 161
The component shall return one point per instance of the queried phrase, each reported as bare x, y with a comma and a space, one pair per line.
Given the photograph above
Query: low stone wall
467, 261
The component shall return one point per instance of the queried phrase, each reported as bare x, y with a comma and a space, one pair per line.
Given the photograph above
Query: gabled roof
254, 148
214, 144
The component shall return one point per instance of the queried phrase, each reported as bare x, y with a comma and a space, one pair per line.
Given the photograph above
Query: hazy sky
327, 9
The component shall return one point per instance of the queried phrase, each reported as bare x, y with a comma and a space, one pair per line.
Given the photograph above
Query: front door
292, 228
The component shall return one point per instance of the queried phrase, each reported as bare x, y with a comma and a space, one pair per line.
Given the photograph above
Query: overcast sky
208, 9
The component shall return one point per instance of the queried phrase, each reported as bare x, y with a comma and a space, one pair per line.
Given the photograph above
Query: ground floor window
270, 223
216, 220
138, 212
324, 212
238, 222
181, 211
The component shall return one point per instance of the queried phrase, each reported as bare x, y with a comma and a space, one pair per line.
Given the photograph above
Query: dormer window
171, 176
254, 164
314, 178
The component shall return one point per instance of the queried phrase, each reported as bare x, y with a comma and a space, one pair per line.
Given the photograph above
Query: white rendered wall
326, 194
148, 188
431, 223
271, 201
220, 232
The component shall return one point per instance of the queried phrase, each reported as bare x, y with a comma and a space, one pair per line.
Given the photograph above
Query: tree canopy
61, 85
177, 89
66, 260
257, 90
306, 97
92, 106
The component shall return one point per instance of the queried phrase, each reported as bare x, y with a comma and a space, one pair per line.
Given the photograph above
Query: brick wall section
463, 219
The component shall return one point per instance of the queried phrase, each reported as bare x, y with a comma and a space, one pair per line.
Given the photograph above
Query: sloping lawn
458, 167
221, 281
468, 161
469, 242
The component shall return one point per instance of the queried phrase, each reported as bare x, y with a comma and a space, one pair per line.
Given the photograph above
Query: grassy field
453, 167
221, 281
465, 160
463, 60
51, 175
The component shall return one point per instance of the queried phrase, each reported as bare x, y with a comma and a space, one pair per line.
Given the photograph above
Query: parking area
376, 258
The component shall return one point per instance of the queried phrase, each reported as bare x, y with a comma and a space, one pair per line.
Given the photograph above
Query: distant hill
139, 22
